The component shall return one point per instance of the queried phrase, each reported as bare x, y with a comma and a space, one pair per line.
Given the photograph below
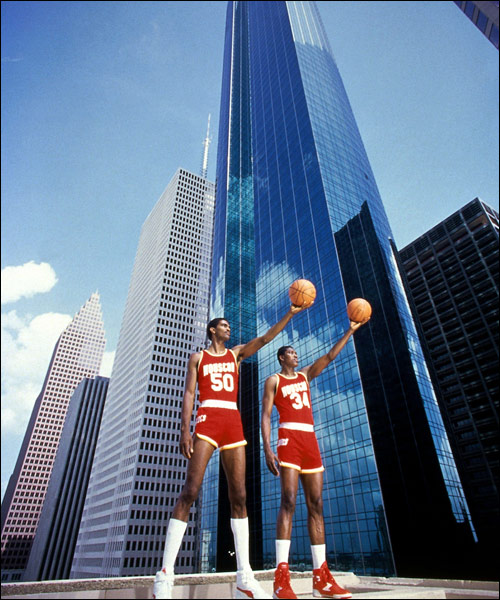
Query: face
223, 330
290, 358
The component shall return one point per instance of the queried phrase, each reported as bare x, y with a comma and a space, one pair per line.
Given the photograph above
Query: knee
315, 505
238, 498
288, 501
189, 494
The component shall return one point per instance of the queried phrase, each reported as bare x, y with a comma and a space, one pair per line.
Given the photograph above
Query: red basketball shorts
299, 450
220, 427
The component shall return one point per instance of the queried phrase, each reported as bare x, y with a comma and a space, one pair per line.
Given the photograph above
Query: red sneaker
282, 587
325, 586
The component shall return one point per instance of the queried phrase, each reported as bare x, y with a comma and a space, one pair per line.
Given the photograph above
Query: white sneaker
248, 587
162, 587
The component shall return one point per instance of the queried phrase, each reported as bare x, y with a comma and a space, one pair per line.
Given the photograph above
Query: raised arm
320, 364
186, 441
245, 350
267, 408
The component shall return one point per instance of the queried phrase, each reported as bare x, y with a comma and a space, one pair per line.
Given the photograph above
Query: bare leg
234, 463
196, 470
289, 485
313, 491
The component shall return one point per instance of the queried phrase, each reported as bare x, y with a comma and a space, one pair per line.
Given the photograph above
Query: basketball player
218, 425
299, 456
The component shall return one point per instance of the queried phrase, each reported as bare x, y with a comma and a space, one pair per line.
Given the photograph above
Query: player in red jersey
299, 456
218, 425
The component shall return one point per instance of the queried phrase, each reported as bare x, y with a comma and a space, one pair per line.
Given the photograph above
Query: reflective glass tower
296, 197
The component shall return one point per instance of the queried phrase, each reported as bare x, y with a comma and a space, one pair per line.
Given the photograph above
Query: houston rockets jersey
293, 399
218, 376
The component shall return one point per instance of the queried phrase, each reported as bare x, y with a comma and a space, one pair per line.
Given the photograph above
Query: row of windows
143, 562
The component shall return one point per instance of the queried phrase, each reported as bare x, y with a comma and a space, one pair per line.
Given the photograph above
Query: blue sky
103, 101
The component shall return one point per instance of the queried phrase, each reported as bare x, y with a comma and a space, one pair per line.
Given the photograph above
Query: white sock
282, 551
241, 543
318, 555
173, 541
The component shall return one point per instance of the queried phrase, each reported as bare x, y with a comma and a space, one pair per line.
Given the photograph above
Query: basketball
359, 310
302, 292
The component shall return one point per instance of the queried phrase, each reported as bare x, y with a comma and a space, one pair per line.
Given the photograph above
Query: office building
77, 354
451, 275
484, 15
296, 197
138, 471
55, 539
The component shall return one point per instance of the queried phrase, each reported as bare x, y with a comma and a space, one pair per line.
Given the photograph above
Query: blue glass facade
294, 188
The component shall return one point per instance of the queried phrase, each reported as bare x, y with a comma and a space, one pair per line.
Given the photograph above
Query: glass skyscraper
296, 197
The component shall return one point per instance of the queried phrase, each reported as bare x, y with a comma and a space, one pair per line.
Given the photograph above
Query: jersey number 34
298, 401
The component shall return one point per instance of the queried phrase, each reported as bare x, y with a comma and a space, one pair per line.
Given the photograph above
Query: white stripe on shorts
219, 404
297, 426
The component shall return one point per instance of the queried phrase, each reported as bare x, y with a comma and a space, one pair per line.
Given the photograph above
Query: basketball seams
301, 292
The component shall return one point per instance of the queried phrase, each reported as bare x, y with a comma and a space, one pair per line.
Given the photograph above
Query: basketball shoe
282, 587
162, 587
248, 587
325, 586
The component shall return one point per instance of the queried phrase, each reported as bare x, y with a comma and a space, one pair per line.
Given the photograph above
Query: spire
206, 144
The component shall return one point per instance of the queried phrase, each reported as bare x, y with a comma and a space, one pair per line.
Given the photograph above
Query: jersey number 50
222, 381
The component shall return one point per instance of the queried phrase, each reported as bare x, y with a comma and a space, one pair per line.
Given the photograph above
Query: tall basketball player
299, 456
218, 426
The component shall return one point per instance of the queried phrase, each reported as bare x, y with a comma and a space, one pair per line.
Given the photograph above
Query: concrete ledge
223, 585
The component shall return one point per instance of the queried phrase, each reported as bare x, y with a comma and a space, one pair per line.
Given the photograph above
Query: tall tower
52, 551
77, 354
452, 279
296, 197
138, 472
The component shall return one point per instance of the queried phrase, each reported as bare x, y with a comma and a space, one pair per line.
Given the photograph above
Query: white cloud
27, 280
27, 346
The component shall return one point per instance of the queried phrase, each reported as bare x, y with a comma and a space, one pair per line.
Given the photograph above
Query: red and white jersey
218, 376
293, 399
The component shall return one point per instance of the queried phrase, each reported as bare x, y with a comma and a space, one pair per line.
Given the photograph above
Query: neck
288, 371
217, 347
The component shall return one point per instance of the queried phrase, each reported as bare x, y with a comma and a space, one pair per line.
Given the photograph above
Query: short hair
214, 323
281, 351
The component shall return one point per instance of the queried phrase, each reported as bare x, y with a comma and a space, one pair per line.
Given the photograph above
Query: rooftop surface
222, 585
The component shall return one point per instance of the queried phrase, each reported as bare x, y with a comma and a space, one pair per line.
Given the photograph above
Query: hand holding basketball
359, 310
302, 293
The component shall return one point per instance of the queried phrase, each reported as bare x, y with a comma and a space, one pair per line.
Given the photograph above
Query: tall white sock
175, 533
282, 551
241, 543
318, 555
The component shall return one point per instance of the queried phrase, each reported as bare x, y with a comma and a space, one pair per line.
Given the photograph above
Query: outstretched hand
354, 325
295, 309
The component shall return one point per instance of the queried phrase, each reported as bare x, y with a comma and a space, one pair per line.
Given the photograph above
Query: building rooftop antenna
206, 144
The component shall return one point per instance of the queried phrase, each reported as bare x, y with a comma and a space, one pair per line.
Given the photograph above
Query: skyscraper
77, 354
138, 472
484, 15
452, 279
55, 540
296, 197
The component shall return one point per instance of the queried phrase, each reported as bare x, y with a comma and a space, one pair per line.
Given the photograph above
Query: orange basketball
358, 310
302, 292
